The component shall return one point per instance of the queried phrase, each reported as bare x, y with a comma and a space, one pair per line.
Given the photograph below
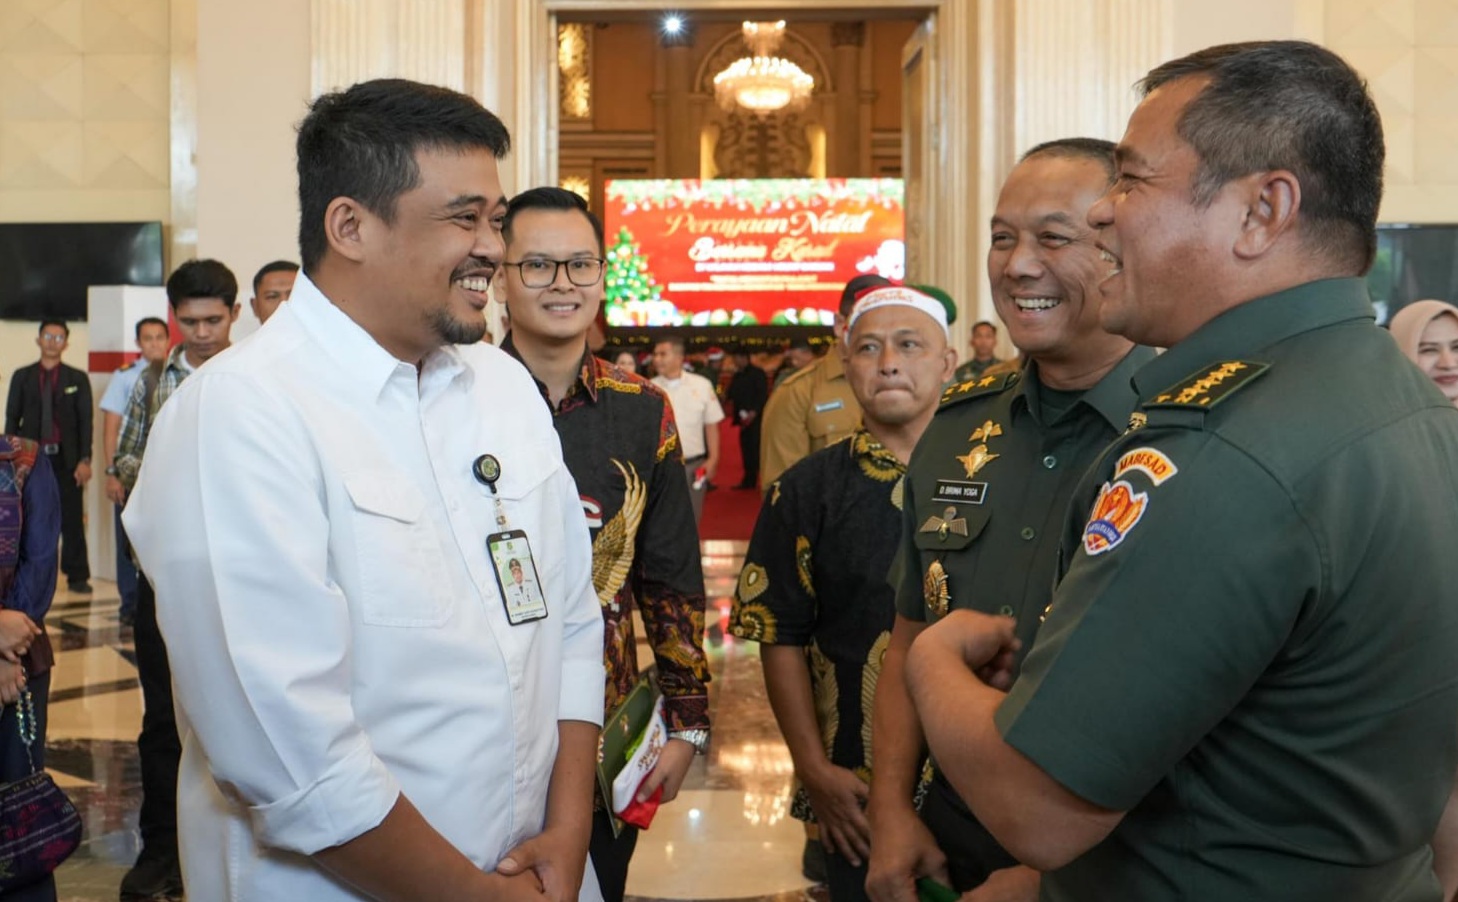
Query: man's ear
1272, 203
343, 227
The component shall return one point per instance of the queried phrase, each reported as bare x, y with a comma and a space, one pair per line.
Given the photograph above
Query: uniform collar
1112, 397
1253, 326
590, 374
369, 366
864, 446
832, 364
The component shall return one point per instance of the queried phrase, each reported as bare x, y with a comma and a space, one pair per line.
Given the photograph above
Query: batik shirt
815, 576
620, 443
141, 411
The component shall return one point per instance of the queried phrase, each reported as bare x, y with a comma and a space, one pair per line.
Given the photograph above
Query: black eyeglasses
540, 272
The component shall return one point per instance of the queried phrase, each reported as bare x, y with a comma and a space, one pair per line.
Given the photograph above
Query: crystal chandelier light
762, 82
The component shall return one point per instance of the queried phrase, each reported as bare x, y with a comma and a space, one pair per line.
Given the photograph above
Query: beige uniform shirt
809, 410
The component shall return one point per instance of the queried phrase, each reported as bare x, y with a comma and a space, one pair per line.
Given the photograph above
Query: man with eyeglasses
620, 443
50, 403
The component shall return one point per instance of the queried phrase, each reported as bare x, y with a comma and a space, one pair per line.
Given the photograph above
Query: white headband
899, 296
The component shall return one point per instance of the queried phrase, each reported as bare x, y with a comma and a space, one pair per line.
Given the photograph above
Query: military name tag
828, 406
955, 491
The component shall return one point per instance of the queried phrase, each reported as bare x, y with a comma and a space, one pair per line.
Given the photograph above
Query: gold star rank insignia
934, 589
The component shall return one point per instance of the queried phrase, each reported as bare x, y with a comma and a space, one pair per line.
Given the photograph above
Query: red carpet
729, 513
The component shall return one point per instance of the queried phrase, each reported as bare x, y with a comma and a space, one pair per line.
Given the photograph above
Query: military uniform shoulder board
1209, 387
976, 388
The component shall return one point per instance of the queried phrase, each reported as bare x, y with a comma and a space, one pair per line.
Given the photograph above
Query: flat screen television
1413, 262
45, 268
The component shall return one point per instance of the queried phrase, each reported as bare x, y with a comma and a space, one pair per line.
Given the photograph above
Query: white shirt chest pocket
397, 554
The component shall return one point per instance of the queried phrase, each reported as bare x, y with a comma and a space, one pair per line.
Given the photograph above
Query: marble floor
728, 836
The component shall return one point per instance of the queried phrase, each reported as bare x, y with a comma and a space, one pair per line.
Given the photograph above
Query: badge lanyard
510, 554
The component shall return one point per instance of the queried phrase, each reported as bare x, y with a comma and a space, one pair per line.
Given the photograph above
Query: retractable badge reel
510, 554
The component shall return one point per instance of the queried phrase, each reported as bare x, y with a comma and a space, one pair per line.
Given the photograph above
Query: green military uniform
987, 492
974, 369
808, 411
1254, 649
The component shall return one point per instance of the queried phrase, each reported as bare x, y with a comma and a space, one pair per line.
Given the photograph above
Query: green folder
622, 731
928, 890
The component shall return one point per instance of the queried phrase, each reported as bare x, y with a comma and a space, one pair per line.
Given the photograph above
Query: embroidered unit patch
1151, 462
1116, 512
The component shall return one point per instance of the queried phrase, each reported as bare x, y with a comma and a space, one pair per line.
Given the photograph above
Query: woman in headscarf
1427, 332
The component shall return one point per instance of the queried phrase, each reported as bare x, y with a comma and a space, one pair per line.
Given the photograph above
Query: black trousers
845, 881
158, 747
749, 450
74, 562
972, 853
15, 766
611, 855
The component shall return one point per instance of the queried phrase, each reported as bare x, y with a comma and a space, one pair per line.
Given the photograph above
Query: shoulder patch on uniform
1209, 387
976, 388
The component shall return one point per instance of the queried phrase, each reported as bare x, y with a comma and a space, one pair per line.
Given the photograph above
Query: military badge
1116, 512
1151, 462
934, 589
979, 457
949, 522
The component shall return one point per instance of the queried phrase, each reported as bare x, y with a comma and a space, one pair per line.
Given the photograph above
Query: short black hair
982, 322
361, 143
269, 268
801, 344
1096, 149
549, 198
202, 279
53, 322
151, 321
1289, 105
856, 287
675, 339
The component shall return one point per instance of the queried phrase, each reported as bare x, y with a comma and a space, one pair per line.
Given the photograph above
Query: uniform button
1028, 533
1050, 461
1006, 610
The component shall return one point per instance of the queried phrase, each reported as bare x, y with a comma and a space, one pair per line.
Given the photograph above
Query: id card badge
516, 576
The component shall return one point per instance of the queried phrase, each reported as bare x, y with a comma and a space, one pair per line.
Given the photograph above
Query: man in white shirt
698, 411
360, 718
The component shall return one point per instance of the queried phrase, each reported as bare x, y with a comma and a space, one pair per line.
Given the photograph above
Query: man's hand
711, 469
837, 794
672, 767
12, 682
985, 644
556, 857
525, 887
902, 849
1016, 884
17, 631
115, 492
83, 472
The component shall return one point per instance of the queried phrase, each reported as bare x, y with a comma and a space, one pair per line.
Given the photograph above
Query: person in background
621, 445
748, 393
626, 360
1427, 332
813, 590
815, 407
698, 412
30, 524
984, 343
271, 287
152, 340
50, 403
798, 356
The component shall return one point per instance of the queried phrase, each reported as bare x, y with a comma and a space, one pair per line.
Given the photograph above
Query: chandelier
762, 82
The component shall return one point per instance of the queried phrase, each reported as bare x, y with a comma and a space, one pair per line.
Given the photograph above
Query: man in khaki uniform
814, 407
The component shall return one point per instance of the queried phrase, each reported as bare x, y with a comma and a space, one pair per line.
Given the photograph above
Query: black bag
39, 827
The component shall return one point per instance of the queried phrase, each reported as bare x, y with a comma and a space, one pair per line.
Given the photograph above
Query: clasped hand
986, 644
17, 631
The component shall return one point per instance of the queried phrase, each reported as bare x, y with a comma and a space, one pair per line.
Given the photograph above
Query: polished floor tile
728, 835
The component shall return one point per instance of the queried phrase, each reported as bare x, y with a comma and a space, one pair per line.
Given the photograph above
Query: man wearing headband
986, 490
813, 590
815, 407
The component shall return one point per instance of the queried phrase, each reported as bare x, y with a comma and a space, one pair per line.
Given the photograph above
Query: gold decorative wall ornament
574, 65
763, 83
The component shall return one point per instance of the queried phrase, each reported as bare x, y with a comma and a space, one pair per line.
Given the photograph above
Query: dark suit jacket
72, 410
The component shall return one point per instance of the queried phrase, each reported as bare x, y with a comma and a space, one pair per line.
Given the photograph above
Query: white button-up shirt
308, 515
695, 406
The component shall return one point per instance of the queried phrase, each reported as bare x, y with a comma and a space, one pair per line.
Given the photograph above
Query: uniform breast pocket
397, 554
945, 539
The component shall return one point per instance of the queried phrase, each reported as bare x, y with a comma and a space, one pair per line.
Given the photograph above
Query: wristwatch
699, 739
